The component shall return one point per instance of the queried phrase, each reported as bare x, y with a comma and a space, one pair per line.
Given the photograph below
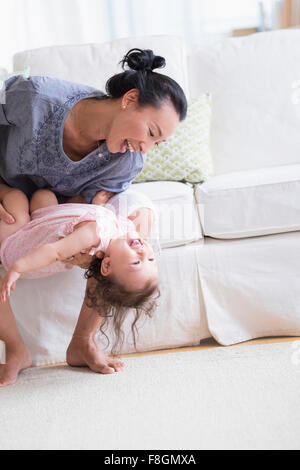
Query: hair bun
142, 60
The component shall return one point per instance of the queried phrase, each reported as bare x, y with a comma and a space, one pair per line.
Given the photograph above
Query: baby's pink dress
49, 224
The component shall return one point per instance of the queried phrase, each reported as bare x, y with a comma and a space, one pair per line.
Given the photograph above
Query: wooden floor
211, 343
205, 344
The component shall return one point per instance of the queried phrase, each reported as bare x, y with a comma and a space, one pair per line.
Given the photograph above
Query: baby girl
123, 271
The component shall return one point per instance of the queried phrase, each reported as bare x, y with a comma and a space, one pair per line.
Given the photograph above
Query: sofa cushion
255, 87
250, 203
178, 220
185, 156
94, 64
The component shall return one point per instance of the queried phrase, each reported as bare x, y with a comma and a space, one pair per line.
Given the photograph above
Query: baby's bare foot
85, 353
17, 359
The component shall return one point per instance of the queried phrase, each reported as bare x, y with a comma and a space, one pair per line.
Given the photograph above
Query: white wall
30, 24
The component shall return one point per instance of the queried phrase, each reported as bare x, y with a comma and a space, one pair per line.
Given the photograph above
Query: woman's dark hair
154, 88
107, 297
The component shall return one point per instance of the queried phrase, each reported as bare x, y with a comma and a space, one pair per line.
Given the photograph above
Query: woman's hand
102, 197
142, 219
8, 283
4, 215
83, 260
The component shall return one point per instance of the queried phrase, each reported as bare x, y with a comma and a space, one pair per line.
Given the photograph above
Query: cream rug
238, 397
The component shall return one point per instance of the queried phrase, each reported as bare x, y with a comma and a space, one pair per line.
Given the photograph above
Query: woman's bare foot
18, 358
83, 352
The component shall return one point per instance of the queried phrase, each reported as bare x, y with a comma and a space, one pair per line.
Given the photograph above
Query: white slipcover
178, 220
255, 85
47, 309
250, 203
234, 290
94, 64
251, 287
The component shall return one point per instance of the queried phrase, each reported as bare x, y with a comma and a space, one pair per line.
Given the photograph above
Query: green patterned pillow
185, 156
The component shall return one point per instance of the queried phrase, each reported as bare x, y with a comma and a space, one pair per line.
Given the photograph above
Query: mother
78, 141
75, 139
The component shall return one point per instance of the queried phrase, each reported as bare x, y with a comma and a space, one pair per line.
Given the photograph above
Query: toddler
123, 267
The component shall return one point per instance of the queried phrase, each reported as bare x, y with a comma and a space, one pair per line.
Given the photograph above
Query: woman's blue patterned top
31, 151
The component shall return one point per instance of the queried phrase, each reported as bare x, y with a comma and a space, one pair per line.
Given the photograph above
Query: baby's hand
102, 197
83, 260
8, 283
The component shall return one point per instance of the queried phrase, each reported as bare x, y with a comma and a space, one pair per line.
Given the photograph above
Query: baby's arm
82, 238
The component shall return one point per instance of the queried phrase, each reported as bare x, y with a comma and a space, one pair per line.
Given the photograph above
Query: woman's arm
82, 238
143, 220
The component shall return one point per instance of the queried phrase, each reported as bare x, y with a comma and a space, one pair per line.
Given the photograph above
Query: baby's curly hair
111, 300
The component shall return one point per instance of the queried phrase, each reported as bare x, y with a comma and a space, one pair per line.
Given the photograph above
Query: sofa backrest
254, 82
255, 86
94, 64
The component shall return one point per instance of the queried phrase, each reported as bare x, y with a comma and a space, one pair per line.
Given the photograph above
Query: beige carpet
239, 397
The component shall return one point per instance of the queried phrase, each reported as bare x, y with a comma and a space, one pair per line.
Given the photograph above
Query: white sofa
230, 262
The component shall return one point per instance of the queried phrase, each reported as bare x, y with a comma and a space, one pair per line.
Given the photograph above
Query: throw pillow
185, 156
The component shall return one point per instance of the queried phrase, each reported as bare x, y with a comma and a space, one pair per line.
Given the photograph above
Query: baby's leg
16, 203
17, 354
42, 198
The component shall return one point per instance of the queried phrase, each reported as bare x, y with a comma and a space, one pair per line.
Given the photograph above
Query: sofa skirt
231, 290
47, 309
251, 287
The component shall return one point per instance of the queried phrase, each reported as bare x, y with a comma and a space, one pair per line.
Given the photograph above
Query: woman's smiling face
142, 127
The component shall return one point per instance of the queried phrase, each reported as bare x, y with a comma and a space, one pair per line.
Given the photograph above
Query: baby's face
131, 261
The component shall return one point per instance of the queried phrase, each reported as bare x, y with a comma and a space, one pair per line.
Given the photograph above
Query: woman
78, 142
